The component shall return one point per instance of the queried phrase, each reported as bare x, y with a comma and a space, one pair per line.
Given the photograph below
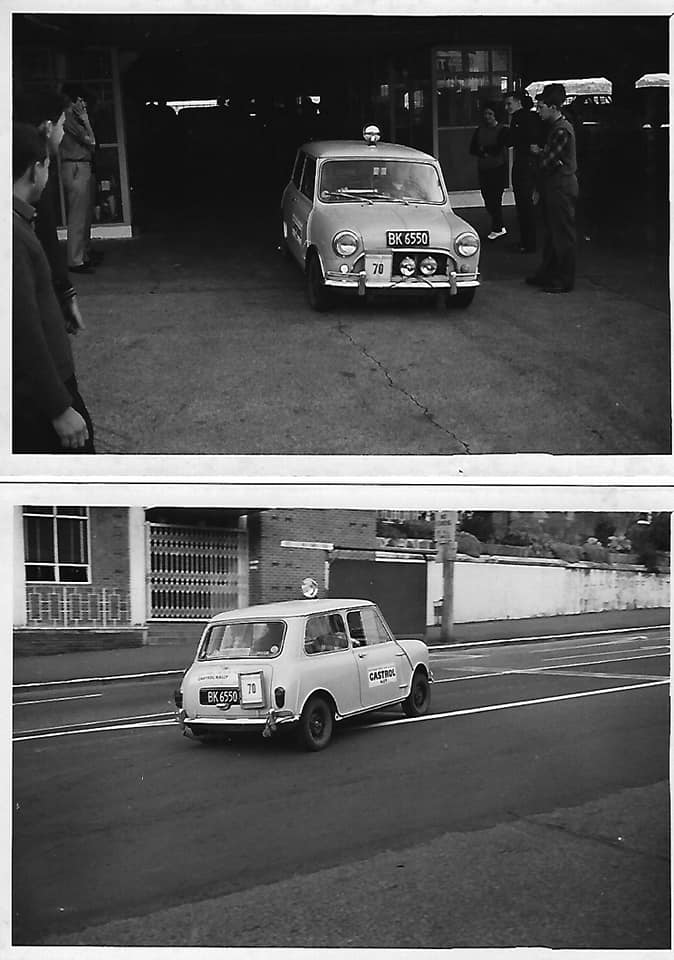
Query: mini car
305, 664
375, 216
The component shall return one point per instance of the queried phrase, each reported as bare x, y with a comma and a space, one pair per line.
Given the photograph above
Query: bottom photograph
340, 728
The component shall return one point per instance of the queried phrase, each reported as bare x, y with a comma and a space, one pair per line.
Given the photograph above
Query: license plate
218, 697
407, 238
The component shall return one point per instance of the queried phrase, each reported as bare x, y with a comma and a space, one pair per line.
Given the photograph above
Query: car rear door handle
361, 656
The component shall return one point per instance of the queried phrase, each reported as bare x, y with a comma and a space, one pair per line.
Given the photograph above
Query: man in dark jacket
558, 188
48, 415
524, 129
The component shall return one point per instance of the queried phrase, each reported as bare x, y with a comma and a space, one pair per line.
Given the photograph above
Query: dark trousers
558, 206
492, 185
32, 431
523, 189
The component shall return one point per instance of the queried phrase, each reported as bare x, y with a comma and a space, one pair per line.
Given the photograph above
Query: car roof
348, 149
285, 609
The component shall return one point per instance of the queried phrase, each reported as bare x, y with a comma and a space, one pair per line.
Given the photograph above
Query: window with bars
56, 544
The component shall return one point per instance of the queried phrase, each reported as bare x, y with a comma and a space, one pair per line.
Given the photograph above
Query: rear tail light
178, 697
279, 696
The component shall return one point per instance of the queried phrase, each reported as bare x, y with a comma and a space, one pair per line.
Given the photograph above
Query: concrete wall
509, 589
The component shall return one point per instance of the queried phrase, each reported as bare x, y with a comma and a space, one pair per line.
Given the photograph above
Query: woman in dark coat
492, 166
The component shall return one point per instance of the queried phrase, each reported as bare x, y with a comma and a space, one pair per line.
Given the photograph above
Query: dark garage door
399, 589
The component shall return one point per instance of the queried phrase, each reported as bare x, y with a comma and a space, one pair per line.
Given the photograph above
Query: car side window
325, 633
297, 169
308, 178
375, 631
356, 628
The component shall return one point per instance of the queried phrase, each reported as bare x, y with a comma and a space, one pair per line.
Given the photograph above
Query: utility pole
445, 540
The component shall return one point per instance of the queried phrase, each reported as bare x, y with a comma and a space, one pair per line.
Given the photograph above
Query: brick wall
276, 572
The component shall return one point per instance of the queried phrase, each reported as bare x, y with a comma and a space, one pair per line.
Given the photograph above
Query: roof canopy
588, 87
652, 80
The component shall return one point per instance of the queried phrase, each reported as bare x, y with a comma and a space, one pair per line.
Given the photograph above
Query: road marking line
476, 676
600, 676
123, 676
91, 723
70, 733
551, 636
508, 706
84, 696
589, 663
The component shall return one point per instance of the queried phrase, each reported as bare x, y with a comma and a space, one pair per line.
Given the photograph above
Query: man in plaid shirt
558, 192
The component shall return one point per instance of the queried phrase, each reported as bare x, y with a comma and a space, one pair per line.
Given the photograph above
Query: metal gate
194, 572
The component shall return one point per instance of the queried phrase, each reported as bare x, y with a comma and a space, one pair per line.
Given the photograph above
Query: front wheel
419, 699
316, 724
461, 299
318, 295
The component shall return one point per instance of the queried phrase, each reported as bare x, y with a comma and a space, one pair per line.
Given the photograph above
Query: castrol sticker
380, 675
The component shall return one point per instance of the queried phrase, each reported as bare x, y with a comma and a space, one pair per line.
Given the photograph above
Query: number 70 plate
378, 266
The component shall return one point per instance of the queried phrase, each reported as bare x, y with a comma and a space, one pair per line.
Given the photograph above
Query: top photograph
340, 235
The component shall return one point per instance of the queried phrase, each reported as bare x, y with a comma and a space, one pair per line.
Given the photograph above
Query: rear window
243, 641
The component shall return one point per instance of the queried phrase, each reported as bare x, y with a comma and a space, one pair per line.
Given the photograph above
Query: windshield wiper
346, 195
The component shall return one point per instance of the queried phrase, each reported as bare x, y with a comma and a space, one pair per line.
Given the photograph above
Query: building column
137, 566
20, 617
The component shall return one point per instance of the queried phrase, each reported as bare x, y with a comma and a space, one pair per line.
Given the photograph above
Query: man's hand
72, 429
73, 317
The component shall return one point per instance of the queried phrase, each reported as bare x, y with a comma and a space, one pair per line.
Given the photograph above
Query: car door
327, 662
383, 669
299, 204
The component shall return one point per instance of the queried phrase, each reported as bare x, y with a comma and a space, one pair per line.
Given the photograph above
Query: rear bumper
268, 724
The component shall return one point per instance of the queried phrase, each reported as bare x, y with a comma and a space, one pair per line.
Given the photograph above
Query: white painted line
84, 696
477, 676
509, 706
590, 663
70, 733
551, 636
92, 723
123, 676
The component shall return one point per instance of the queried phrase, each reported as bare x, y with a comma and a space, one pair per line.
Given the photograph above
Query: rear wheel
318, 295
419, 699
461, 299
316, 724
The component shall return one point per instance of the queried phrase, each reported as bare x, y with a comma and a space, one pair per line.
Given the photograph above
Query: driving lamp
428, 266
407, 266
371, 134
309, 588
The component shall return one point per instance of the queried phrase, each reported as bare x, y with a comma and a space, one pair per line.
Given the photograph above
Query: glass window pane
71, 541
35, 574
39, 539
46, 510
72, 574
374, 629
72, 511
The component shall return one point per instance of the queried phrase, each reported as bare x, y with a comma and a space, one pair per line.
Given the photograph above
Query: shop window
56, 544
465, 79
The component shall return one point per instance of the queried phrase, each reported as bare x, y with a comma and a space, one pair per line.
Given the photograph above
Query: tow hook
453, 290
361, 283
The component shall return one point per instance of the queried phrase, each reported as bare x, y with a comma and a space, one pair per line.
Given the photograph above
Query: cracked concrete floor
199, 345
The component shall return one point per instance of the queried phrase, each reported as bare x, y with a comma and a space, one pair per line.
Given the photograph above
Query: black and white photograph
362, 728
341, 235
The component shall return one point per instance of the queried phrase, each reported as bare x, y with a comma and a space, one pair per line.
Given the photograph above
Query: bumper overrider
451, 278
269, 724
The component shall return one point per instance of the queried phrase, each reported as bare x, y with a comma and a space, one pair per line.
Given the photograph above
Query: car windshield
403, 181
242, 641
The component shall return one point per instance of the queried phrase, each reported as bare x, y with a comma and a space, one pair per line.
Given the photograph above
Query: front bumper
357, 278
269, 723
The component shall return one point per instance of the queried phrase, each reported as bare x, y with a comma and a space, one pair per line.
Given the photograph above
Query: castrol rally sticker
381, 675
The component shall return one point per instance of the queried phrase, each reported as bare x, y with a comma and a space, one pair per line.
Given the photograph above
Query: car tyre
418, 701
318, 295
461, 299
316, 724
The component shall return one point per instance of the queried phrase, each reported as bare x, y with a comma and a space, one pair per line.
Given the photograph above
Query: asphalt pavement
175, 656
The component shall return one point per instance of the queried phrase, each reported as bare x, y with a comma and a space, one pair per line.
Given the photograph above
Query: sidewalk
177, 656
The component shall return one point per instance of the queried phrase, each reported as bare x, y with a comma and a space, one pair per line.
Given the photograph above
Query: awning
588, 87
652, 80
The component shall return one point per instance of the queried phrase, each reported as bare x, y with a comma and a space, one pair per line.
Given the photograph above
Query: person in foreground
48, 413
558, 191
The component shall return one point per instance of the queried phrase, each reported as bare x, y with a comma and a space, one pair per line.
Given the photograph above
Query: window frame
56, 514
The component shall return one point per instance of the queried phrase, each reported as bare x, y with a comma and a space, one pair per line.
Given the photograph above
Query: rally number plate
407, 238
218, 697
378, 267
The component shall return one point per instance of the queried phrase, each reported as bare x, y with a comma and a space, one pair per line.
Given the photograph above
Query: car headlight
467, 244
345, 243
428, 266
